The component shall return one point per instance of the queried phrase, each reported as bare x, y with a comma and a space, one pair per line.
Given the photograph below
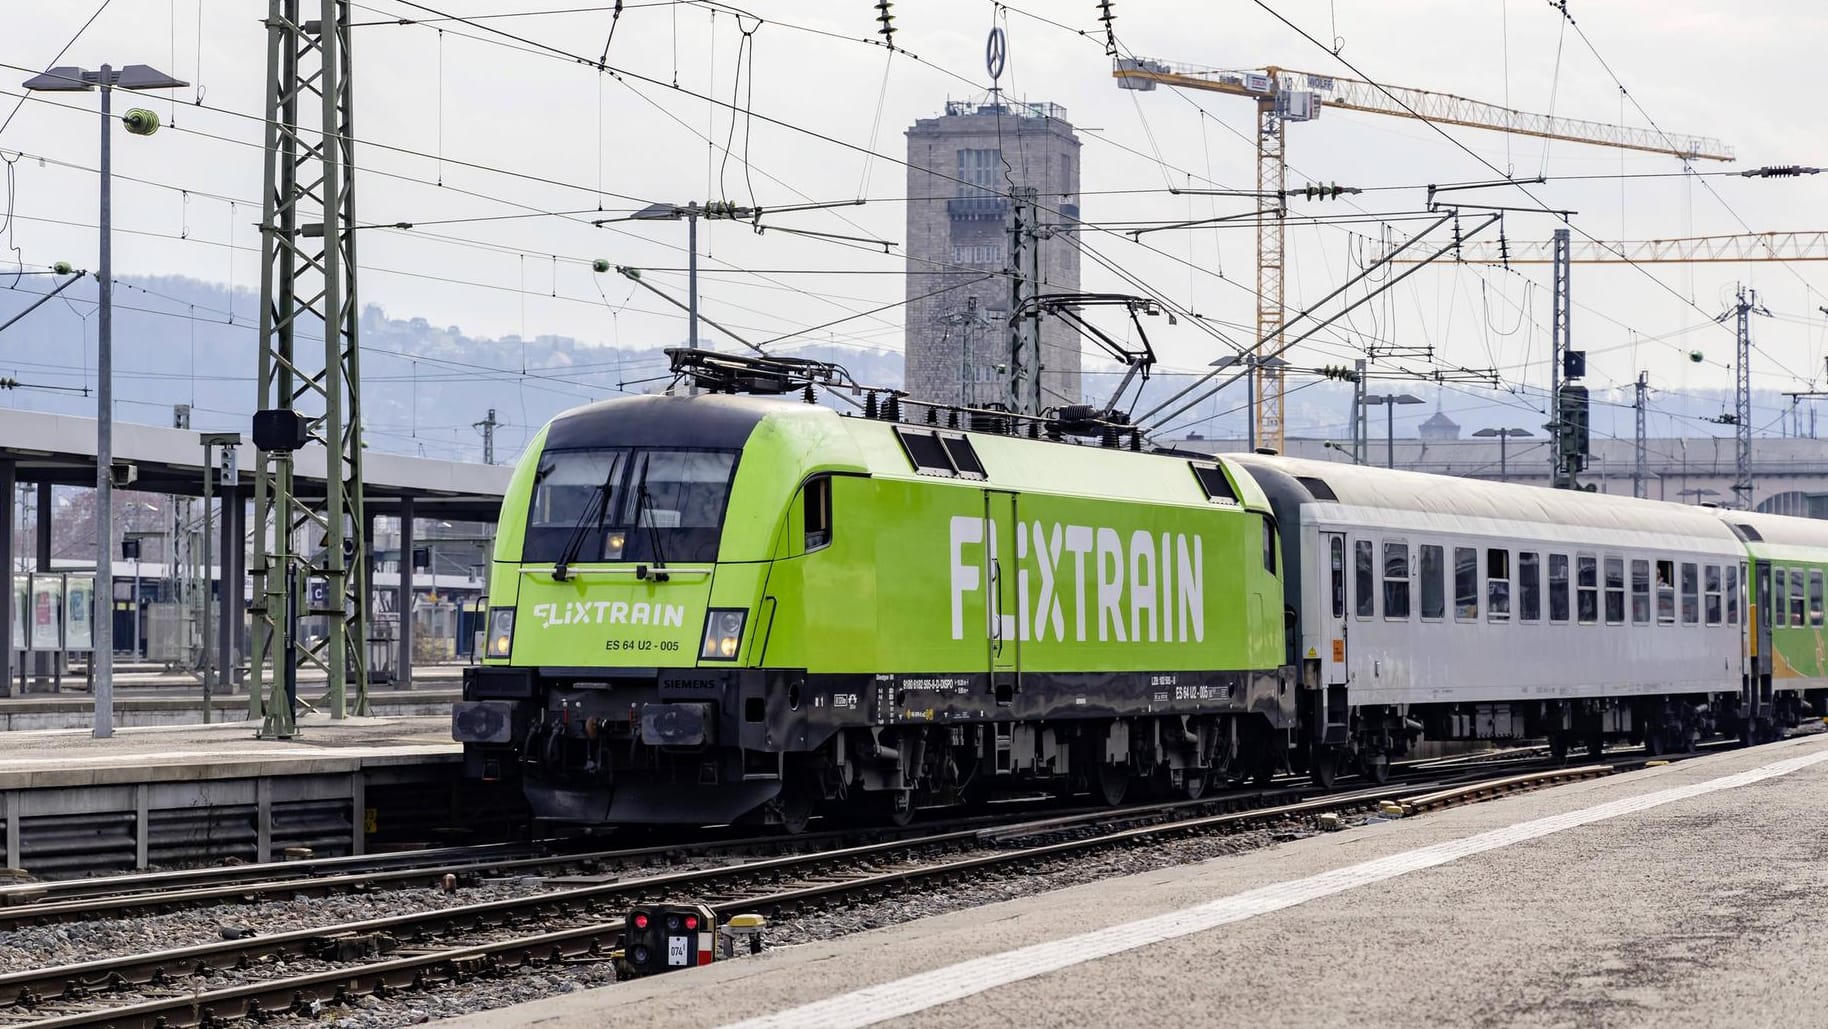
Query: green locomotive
710, 608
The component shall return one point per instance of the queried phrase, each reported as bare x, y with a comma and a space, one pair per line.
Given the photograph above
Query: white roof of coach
1782, 530
1421, 493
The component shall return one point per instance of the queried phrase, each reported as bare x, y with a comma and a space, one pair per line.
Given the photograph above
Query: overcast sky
457, 125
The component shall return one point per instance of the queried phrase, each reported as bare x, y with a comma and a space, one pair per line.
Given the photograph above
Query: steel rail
337, 986
266, 998
25, 991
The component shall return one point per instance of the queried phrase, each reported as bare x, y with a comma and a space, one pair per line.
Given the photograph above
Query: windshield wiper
643, 510
598, 509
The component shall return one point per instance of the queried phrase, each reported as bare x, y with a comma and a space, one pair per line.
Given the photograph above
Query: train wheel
1558, 745
1377, 767
1655, 743
1596, 746
974, 796
1323, 765
1110, 783
798, 800
1194, 784
896, 807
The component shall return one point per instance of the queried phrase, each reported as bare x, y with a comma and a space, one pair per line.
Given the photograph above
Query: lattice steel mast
308, 281
1744, 308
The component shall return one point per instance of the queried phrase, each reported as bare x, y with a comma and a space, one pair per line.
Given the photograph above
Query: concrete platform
72, 757
71, 803
176, 706
1686, 895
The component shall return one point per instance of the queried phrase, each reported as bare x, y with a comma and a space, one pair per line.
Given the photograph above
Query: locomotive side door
1332, 594
1004, 638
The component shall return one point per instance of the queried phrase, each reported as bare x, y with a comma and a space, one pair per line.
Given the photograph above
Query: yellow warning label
1313, 653
371, 819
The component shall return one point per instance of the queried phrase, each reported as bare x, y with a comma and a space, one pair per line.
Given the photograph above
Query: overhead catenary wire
740, 272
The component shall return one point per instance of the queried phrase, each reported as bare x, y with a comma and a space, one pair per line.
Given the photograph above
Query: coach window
1498, 584
1710, 594
817, 501
1776, 607
1586, 589
1666, 593
1269, 546
1558, 587
1732, 594
1396, 580
1615, 591
1466, 583
1434, 595
1691, 593
1337, 557
1640, 592
1797, 619
1815, 596
1366, 576
1529, 586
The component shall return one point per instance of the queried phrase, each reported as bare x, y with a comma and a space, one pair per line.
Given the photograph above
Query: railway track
149, 892
139, 894
222, 980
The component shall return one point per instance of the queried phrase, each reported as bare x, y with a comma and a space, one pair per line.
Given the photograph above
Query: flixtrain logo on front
608, 612
1140, 587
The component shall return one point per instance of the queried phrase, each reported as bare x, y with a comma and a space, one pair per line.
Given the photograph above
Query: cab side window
815, 499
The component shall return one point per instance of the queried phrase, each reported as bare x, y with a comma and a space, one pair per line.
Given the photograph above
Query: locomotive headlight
723, 634
501, 631
613, 544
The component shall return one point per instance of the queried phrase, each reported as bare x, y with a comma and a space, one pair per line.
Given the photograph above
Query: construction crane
1729, 249
1282, 96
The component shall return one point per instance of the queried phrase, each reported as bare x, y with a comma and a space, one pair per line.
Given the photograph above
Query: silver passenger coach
1482, 610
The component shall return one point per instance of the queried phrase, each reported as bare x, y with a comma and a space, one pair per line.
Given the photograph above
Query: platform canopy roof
61, 449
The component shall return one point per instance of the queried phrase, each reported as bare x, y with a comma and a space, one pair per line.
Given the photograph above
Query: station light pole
1255, 365
140, 122
1503, 435
1390, 400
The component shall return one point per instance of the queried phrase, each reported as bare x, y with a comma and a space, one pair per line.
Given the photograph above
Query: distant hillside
183, 341
424, 385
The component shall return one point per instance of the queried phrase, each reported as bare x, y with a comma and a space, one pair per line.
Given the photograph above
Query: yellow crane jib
1283, 95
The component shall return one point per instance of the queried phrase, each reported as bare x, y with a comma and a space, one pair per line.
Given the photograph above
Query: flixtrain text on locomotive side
710, 607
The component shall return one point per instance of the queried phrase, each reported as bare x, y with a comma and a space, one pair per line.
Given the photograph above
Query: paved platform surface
1686, 895
171, 706
72, 757
146, 695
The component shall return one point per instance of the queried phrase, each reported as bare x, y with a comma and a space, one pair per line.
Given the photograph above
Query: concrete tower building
962, 168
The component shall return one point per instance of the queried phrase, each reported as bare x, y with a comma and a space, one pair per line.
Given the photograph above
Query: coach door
1757, 694
1004, 640
1332, 643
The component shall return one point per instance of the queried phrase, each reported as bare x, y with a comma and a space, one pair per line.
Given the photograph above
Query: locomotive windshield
622, 504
